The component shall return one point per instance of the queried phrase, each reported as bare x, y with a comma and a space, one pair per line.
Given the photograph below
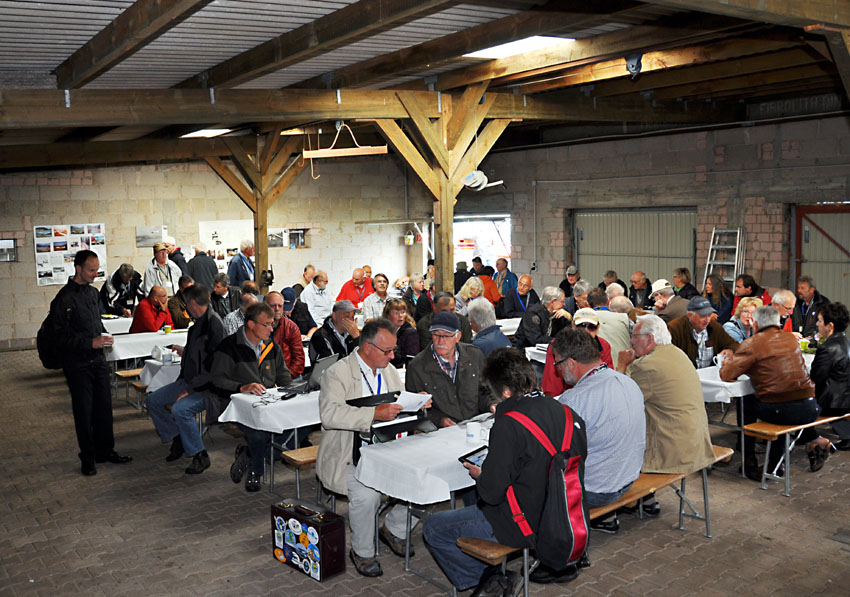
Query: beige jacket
677, 438
614, 327
342, 382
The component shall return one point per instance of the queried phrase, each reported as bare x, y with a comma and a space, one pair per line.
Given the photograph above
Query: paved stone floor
148, 529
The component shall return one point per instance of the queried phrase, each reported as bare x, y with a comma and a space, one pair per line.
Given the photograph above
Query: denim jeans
441, 532
796, 412
594, 500
181, 419
259, 444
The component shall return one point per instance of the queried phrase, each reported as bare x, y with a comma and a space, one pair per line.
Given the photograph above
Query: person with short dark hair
515, 459
831, 369
373, 305
745, 285
477, 265
177, 304
248, 362
224, 299
304, 280
190, 393
81, 338
491, 291
122, 289
805, 317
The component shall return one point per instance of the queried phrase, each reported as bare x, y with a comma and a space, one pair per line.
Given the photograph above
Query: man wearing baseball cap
700, 337
450, 371
668, 306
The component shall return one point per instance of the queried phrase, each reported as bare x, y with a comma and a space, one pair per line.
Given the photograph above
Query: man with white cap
699, 336
175, 254
668, 306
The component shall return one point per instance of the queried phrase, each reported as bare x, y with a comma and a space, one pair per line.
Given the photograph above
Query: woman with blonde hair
740, 327
471, 289
407, 340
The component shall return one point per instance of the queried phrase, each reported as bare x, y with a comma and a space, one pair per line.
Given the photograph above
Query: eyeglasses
591, 327
269, 324
442, 336
381, 350
559, 362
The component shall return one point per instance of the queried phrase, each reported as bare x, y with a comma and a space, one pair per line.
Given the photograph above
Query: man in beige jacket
366, 371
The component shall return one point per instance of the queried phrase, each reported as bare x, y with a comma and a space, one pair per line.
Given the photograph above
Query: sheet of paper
410, 402
399, 419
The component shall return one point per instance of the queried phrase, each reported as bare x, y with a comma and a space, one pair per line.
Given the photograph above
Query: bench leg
764, 472
705, 502
682, 506
787, 492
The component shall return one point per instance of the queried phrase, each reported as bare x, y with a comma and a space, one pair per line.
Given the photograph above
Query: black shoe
370, 567
652, 510
252, 482
842, 445
492, 583
609, 525
88, 468
176, 450
240, 465
200, 463
817, 457
395, 544
115, 458
544, 576
751, 468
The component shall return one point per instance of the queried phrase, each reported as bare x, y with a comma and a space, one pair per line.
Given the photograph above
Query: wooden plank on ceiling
346, 25
570, 13
797, 13
231, 180
133, 29
839, 47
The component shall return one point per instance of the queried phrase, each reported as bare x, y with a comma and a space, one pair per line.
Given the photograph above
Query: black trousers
91, 401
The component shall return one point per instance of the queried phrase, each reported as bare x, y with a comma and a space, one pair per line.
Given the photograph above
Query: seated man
611, 405
177, 304
784, 392
298, 313
152, 312
224, 299
121, 290
542, 321
677, 438
286, 334
236, 319
373, 305
613, 327
356, 289
784, 301
248, 362
520, 299
668, 306
366, 371
451, 372
317, 298
805, 317
578, 299
303, 280
443, 301
338, 335
515, 460
567, 284
482, 319
611, 277
745, 285
640, 291
699, 336
189, 394
584, 319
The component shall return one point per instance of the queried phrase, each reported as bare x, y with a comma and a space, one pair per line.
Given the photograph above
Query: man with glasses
542, 321
784, 301
248, 362
356, 289
366, 371
451, 372
640, 291
338, 335
587, 320
699, 336
613, 327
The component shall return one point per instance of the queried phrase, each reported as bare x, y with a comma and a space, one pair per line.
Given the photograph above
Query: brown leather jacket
772, 359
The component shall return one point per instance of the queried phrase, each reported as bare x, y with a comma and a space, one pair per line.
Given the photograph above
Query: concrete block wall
181, 195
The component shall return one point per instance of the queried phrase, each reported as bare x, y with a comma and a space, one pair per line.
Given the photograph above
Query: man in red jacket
152, 312
356, 289
286, 334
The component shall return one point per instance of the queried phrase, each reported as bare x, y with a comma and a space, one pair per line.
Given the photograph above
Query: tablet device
475, 457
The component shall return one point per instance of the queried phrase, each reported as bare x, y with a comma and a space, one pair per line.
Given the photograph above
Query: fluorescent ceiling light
520, 46
206, 133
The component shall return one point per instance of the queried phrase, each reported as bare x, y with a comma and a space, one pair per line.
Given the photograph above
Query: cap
445, 322
701, 305
288, 299
461, 264
572, 270
659, 284
585, 316
157, 247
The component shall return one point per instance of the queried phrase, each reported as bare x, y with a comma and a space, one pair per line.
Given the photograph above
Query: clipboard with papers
411, 420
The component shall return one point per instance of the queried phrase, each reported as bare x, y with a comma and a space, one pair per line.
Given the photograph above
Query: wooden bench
772, 432
301, 459
127, 375
141, 390
496, 554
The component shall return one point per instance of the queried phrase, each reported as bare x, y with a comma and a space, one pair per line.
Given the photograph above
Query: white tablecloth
300, 411
119, 325
422, 468
532, 353
130, 346
155, 374
716, 390
508, 326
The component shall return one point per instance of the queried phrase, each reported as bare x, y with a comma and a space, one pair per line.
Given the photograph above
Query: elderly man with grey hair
236, 319
542, 321
784, 302
122, 289
337, 335
241, 267
482, 318
579, 298
677, 437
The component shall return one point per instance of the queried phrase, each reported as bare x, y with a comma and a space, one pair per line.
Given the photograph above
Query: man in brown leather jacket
784, 392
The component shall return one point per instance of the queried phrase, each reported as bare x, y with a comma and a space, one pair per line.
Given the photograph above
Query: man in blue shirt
241, 267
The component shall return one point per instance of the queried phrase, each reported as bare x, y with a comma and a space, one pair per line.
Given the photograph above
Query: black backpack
564, 529
45, 341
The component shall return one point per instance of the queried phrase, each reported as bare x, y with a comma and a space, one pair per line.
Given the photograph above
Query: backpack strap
534, 429
519, 516
568, 434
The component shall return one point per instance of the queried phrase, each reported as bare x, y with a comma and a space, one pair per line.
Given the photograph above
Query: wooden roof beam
344, 26
141, 23
796, 13
839, 47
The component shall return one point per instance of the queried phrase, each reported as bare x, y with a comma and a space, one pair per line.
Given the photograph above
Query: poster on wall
148, 236
278, 237
222, 238
56, 245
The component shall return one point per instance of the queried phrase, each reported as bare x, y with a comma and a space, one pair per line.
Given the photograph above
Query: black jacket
420, 308
517, 458
807, 325
831, 373
224, 305
302, 318
537, 326
687, 291
115, 295
76, 319
178, 258
461, 276
566, 287
516, 306
201, 341
324, 342
648, 303
203, 270
619, 281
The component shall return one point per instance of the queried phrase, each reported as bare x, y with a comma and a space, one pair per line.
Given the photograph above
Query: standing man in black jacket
202, 268
81, 337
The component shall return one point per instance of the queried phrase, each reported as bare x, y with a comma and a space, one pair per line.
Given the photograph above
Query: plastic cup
804, 344
166, 329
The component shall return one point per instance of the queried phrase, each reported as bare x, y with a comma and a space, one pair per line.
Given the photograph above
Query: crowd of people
621, 360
